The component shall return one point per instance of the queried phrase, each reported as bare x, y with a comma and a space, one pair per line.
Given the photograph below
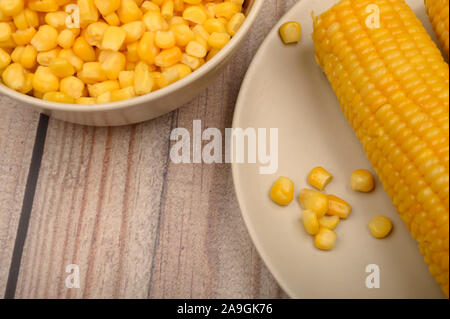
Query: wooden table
110, 201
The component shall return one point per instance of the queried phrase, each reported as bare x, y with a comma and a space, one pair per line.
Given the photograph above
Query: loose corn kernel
235, 23
72, 86
8, 44
183, 34
214, 25
83, 50
72, 58
195, 14
5, 58
16, 54
88, 12
338, 207
362, 181
165, 39
123, 94
113, 64
380, 226
319, 178
143, 81
168, 57
282, 191
212, 53
325, 239
92, 72
167, 9
150, 6
218, 40
129, 11
113, 38
94, 33
329, 222
310, 222
177, 20
104, 98
210, 8
147, 50
192, 1
44, 80
112, 19
201, 32
132, 52
5, 31
45, 58
126, 79
14, 76
97, 89
28, 57
11, 7
28, 85
85, 100
56, 19
134, 31
153, 21
66, 38
22, 37
59, 97
107, 6
196, 49
61, 68
191, 61
167, 77
314, 200
183, 70
227, 9
45, 38
290, 32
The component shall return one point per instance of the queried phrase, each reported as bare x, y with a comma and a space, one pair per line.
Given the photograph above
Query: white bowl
148, 106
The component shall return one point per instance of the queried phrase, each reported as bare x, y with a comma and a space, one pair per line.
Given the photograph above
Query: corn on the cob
438, 12
393, 86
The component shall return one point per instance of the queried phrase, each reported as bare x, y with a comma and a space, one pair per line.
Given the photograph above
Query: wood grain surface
138, 226
17, 131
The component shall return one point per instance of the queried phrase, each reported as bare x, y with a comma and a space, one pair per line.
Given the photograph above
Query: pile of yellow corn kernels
99, 51
322, 213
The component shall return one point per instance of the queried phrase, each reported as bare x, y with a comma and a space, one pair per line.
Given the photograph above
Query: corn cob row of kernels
438, 13
393, 86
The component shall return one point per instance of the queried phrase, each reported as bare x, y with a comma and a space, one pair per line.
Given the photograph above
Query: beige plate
285, 89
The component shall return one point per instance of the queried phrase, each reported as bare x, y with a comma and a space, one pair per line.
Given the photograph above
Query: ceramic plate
285, 89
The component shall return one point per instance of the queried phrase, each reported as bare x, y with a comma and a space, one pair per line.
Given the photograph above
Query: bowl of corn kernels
116, 62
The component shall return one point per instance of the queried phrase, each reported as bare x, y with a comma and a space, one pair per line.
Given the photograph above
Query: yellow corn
235, 23
43, 5
147, 50
26, 19
227, 9
134, 31
113, 38
214, 25
195, 14
107, 6
313, 200
28, 57
72, 58
86, 100
59, 97
28, 85
94, 33
338, 207
143, 81
88, 11
319, 178
282, 191
191, 61
329, 222
168, 57
61, 68
112, 19
113, 64
438, 12
183, 34
362, 181
72, 86
153, 21
45, 38
122, 94
167, 9
196, 49
380, 226
45, 58
291, 32
129, 11
5, 59
5, 31
11, 7
14, 76
56, 19
325, 239
183, 70
97, 89
44, 80
92, 72
165, 39
104, 98
393, 86
126, 79
310, 222
83, 50
65, 38
218, 40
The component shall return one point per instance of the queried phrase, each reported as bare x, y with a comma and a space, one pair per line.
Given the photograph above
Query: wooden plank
137, 225
17, 132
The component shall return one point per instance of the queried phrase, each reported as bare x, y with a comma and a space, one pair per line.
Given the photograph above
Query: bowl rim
88, 108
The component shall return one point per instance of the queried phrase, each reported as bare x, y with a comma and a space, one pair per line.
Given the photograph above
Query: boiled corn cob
393, 86
438, 12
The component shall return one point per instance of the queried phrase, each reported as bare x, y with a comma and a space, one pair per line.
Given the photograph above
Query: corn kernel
315, 201
227, 9
56, 19
126, 79
196, 49
134, 31
192, 1
58, 97
61, 68
218, 40
72, 58
338, 207
129, 11
150, 6
88, 12
104, 98
211, 54
183, 70
291, 32
92, 72
167, 77
143, 81
5, 31
43, 5
107, 6
214, 25
83, 50
132, 52
325, 239
44, 80
329, 222
122, 94
113, 64
45, 58
5, 58
66, 39
167, 9
11, 7
362, 181
195, 14
282, 191
168, 57
147, 50
97, 89
380, 226
153, 21
319, 178
28, 85
72, 86
45, 38
201, 32
165, 39
85, 100
22, 37
183, 34
310, 222
112, 19
14, 76
177, 20
113, 38
16, 54
28, 57
191, 61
